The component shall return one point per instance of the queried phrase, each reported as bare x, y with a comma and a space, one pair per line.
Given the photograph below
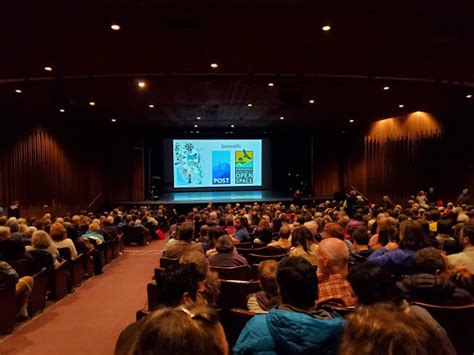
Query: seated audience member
241, 234
94, 234
284, 241
399, 259
386, 234
431, 284
9, 276
302, 245
108, 226
265, 236
185, 242
332, 272
466, 257
295, 326
11, 245
267, 299
383, 329
229, 223
382, 222
204, 238
59, 235
361, 252
444, 237
212, 278
371, 284
335, 230
214, 234
225, 256
42, 241
180, 285
182, 330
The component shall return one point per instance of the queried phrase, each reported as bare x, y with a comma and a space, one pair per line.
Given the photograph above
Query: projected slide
217, 163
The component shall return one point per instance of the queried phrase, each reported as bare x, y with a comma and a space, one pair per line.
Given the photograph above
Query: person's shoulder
255, 337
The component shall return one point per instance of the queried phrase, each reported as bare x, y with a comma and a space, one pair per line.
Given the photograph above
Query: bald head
332, 252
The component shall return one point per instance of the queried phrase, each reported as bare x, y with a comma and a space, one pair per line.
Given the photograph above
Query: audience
396, 253
295, 326
372, 285
284, 240
59, 236
382, 329
42, 241
399, 258
302, 245
182, 330
333, 260
241, 234
185, 242
226, 257
466, 257
431, 284
267, 298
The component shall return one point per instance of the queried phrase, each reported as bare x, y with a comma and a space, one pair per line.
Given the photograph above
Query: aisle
89, 320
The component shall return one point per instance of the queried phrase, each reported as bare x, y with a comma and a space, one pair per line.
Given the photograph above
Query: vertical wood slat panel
35, 169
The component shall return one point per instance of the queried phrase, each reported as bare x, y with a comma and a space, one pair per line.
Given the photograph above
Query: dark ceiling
424, 52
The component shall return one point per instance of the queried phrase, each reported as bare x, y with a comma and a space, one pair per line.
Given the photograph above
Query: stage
217, 197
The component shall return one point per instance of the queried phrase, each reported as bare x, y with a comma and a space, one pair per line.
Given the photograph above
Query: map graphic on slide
220, 167
188, 166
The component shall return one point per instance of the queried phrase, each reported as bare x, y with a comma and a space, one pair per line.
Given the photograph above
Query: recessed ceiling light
214, 66
18, 91
198, 117
249, 105
48, 68
386, 88
401, 105
115, 27
113, 120
468, 96
311, 101
92, 103
351, 121
232, 126
326, 28
197, 131
271, 84
282, 117
141, 84
196, 126
151, 106
62, 110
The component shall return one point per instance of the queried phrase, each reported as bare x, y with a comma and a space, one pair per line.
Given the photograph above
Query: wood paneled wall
398, 157
48, 170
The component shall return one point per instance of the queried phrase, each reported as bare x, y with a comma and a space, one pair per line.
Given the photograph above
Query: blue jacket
286, 332
397, 262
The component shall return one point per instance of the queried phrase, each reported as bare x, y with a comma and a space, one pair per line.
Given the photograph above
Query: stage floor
214, 197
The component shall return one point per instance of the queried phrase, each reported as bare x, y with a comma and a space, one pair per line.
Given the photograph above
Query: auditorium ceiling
379, 59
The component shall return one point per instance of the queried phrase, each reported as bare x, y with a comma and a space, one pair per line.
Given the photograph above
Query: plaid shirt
336, 290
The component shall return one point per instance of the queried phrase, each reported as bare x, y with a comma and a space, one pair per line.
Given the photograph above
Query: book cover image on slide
221, 168
244, 167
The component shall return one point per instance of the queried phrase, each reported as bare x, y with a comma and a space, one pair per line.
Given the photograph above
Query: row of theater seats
236, 283
52, 282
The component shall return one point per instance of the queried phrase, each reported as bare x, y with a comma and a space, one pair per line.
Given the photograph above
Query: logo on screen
244, 167
220, 167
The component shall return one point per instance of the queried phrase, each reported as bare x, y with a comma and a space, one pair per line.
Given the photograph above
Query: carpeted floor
89, 320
